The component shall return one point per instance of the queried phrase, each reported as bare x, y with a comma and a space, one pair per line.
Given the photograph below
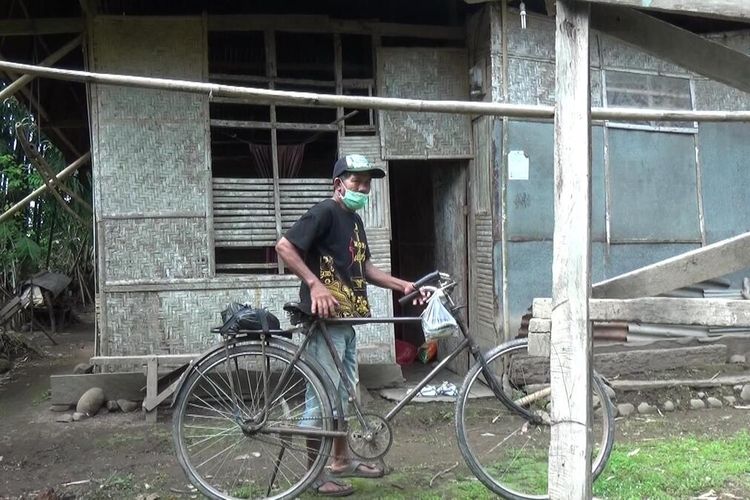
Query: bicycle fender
194, 364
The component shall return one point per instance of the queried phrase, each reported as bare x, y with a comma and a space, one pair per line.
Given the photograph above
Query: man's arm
323, 302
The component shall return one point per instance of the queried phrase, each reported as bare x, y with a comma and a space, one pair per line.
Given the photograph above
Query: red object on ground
405, 353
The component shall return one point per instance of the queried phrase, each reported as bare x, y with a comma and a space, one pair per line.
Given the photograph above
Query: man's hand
324, 304
420, 299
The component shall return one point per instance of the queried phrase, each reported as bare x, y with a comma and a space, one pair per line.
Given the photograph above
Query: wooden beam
667, 41
570, 345
722, 9
271, 73
321, 127
51, 59
311, 99
662, 310
41, 26
720, 258
325, 24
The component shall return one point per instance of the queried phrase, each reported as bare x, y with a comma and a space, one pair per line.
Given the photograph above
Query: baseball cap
356, 164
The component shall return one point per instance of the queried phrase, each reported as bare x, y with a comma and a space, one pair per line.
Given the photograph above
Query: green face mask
354, 200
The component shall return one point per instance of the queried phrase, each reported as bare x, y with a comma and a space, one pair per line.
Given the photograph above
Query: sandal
344, 489
356, 468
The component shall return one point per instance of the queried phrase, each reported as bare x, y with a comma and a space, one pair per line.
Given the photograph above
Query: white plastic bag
437, 321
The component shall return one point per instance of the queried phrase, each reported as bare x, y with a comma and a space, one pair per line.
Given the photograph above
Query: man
327, 249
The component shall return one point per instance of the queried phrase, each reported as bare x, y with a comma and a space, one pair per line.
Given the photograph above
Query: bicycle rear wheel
508, 449
224, 462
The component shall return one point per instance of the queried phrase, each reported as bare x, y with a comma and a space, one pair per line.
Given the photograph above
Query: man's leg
318, 349
342, 461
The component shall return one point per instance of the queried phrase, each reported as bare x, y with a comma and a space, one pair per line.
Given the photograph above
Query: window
649, 91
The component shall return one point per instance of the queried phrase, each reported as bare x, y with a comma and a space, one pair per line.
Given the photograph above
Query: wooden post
339, 77
570, 349
270, 43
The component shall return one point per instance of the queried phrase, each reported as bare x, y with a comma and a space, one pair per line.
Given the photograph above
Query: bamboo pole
58, 178
266, 96
16, 85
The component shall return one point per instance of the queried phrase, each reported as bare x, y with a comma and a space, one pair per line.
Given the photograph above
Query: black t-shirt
333, 243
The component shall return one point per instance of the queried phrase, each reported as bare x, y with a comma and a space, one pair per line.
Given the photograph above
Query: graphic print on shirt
352, 300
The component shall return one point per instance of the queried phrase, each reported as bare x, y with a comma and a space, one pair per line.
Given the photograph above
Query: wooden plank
324, 24
570, 359
41, 26
667, 41
720, 258
321, 127
662, 310
68, 389
722, 9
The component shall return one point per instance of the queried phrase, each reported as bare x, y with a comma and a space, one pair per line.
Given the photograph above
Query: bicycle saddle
297, 314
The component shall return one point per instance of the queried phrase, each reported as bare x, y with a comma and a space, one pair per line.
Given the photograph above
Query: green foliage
41, 235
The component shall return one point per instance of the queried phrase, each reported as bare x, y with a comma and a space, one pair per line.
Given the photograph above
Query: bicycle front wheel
225, 462
507, 448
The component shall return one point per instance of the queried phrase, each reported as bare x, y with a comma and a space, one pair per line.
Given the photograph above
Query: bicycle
240, 432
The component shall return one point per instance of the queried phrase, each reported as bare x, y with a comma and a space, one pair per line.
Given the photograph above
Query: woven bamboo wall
177, 318
151, 183
423, 73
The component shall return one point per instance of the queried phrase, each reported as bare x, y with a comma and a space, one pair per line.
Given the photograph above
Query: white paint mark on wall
518, 166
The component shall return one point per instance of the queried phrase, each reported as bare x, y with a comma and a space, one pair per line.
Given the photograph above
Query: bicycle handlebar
417, 284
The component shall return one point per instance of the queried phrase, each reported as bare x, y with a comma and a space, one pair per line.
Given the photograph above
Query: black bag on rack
238, 317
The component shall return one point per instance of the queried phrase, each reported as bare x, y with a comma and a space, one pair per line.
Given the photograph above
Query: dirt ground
121, 456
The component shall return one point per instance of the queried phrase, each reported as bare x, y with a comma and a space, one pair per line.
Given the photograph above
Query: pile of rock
699, 402
93, 402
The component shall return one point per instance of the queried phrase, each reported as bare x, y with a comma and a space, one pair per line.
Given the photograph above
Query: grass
671, 468
678, 468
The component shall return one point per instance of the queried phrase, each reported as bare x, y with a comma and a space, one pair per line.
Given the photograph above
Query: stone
91, 401
82, 368
697, 404
737, 388
113, 406
701, 395
78, 416
625, 409
714, 403
102, 411
127, 406
731, 400
646, 409
59, 408
150, 496
745, 393
738, 358
5, 365
668, 406
67, 418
